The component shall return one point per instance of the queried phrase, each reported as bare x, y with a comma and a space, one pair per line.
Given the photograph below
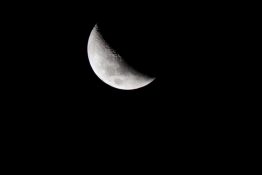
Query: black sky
183, 46
56, 110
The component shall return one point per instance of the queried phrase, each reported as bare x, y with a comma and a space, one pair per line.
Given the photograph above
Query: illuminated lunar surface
110, 67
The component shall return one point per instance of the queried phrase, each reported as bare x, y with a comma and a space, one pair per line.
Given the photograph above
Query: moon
110, 67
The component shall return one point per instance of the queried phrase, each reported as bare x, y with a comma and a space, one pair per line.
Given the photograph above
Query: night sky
182, 45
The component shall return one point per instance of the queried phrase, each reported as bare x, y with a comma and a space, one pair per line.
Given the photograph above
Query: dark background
55, 109
53, 91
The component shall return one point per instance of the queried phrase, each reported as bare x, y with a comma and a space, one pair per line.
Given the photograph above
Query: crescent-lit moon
110, 67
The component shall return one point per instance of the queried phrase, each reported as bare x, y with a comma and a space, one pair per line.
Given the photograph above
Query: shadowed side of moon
110, 66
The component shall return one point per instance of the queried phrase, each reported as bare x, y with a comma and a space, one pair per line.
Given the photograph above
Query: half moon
110, 67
